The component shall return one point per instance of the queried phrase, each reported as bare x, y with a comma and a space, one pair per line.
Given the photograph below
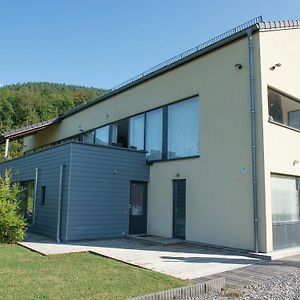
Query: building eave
26, 131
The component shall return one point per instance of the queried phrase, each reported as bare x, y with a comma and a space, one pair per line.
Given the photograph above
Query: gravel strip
281, 287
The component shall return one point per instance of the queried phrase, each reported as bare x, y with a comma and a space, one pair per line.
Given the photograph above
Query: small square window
43, 195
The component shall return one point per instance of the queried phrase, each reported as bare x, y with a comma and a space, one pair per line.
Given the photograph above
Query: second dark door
179, 208
138, 208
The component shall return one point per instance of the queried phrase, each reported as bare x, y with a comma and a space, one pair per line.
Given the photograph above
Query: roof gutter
253, 137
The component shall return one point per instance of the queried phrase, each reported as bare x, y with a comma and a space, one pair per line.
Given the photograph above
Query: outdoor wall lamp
275, 66
238, 66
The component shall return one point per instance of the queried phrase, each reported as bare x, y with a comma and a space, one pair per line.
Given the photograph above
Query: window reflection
183, 129
136, 136
285, 198
102, 136
154, 134
88, 137
283, 109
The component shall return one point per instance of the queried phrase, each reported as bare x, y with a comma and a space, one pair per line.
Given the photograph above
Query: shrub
12, 224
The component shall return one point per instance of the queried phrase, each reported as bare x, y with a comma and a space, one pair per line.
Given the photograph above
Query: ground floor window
285, 194
27, 199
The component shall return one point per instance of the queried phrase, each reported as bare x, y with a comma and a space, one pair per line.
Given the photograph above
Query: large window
283, 109
169, 132
137, 132
27, 199
154, 125
102, 136
285, 198
183, 129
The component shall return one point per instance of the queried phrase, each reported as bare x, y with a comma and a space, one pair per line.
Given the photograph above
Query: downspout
253, 138
6, 149
59, 204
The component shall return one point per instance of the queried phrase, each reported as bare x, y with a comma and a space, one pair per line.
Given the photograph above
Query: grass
28, 275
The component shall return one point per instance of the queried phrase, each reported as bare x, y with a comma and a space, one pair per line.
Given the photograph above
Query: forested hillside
27, 103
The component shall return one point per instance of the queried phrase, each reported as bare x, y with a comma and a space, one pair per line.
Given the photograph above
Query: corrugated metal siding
286, 235
48, 162
100, 189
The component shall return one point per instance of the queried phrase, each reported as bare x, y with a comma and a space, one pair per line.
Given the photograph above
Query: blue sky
103, 43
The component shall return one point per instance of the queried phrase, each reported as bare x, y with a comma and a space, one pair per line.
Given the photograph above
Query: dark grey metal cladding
95, 188
286, 235
100, 190
48, 162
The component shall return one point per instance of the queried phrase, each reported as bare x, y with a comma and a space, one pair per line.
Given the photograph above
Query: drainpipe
6, 149
59, 204
253, 138
35, 197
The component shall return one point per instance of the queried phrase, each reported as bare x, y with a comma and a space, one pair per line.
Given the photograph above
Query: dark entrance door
179, 208
138, 208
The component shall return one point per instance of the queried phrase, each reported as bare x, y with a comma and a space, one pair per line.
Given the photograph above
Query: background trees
28, 103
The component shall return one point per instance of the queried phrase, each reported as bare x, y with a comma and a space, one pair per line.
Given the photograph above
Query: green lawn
28, 275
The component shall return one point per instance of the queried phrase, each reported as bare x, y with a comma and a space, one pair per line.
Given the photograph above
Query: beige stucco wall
219, 194
282, 146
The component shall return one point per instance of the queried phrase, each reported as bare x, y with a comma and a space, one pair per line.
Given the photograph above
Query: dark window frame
290, 97
42, 201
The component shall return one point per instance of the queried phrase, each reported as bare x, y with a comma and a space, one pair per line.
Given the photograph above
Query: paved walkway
182, 260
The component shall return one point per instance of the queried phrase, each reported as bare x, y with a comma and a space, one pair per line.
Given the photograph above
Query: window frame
109, 135
162, 135
42, 201
286, 221
168, 131
292, 98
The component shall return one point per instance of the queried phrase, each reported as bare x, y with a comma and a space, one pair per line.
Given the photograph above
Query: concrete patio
179, 260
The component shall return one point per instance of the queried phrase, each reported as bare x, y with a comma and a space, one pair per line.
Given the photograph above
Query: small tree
12, 224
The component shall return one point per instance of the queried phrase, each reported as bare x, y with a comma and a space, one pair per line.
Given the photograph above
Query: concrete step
156, 239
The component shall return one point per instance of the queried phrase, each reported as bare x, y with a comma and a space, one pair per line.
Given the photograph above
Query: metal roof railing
191, 51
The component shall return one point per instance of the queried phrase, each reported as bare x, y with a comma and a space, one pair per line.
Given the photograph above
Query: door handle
130, 206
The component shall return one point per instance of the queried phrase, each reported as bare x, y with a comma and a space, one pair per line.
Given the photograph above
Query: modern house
203, 147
